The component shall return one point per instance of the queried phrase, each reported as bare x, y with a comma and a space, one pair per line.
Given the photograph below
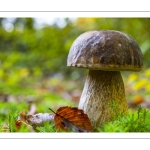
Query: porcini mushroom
105, 53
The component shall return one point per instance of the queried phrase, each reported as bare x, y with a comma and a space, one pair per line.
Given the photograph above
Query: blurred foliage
33, 57
43, 52
140, 82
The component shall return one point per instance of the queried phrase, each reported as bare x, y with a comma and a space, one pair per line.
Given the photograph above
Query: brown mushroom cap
105, 50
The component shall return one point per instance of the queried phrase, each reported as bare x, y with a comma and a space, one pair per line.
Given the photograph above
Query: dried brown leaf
19, 124
71, 118
5, 127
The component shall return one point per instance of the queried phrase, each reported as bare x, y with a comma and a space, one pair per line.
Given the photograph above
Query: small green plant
138, 121
47, 127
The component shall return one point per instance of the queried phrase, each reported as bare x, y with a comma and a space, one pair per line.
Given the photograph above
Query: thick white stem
103, 96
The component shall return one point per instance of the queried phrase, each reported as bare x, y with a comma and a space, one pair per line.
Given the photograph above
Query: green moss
138, 121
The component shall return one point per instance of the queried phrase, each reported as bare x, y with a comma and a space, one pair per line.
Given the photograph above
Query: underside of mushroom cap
105, 50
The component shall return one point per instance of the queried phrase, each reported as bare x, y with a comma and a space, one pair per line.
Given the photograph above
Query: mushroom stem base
103, 96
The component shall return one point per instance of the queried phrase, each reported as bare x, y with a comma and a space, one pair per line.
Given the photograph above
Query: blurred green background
33, 61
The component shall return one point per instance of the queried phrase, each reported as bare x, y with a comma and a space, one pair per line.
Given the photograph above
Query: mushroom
105, 53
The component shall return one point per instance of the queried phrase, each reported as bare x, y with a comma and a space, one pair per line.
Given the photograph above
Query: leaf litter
65, 119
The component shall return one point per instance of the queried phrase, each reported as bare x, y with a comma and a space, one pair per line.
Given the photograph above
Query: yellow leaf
132, 78
147, 73
140, 84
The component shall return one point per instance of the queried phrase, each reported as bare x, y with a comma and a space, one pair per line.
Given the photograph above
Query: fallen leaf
39, 119
21, 124
18, 124
72, 119
138, 99
33, 109
5, 128
22, 116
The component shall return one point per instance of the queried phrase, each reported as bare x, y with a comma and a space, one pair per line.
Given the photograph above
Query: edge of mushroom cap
107, 50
